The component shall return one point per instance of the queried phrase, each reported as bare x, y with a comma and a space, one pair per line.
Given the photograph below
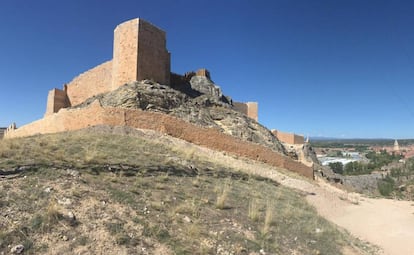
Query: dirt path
386, 223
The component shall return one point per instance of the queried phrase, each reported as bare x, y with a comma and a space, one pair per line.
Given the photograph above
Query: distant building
396, 146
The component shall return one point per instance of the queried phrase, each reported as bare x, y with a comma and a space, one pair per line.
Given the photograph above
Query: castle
139, 53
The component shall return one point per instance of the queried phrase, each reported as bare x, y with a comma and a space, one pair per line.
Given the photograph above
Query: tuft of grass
223, 194
268, 220
52, 213
254, 209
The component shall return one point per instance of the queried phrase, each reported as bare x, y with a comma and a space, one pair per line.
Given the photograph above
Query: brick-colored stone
95, 114
90, 83
56, 100
140, 53
289, 138
249, 108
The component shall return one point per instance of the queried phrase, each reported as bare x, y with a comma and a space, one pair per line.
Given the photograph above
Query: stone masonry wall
95, 114
56, 100
140, 53
289, 138
95, 81
249, 108
153, 57
125, 53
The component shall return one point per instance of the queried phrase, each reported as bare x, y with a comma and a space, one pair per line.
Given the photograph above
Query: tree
337, 167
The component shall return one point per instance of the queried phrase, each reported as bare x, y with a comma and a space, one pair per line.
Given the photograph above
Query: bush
337, 167
386, 186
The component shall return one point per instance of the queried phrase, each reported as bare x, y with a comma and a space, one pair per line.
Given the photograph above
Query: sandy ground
386, 223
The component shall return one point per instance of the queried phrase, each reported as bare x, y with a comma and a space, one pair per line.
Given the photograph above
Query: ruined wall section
289, 138
90, 83
125, 53
95, 114
250, 109
56, 100
153, 57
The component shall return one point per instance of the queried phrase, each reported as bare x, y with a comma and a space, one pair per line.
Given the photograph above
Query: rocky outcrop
309, 153
206, 110
366, 183
205, 86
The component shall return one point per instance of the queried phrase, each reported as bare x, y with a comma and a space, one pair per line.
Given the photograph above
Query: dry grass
268, 220
223, 194
158, 202
254, 209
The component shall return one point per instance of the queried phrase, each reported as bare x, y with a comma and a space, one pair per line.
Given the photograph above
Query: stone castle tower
139, 53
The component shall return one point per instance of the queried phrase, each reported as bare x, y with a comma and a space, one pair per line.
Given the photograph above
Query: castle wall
289, 138
249, 108
73, 119
90, 83
56, 100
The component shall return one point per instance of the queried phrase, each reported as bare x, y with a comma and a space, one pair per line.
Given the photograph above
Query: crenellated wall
95, 114
249, 108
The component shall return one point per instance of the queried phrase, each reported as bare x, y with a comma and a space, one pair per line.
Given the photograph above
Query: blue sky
337, 68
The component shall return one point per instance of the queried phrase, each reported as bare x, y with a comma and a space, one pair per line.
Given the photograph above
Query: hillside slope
125, 191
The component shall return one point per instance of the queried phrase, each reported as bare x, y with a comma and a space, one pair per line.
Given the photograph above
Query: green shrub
386, 186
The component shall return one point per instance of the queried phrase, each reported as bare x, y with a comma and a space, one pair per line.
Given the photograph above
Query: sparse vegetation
222, 194
386, 186
203, 206
254, 210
